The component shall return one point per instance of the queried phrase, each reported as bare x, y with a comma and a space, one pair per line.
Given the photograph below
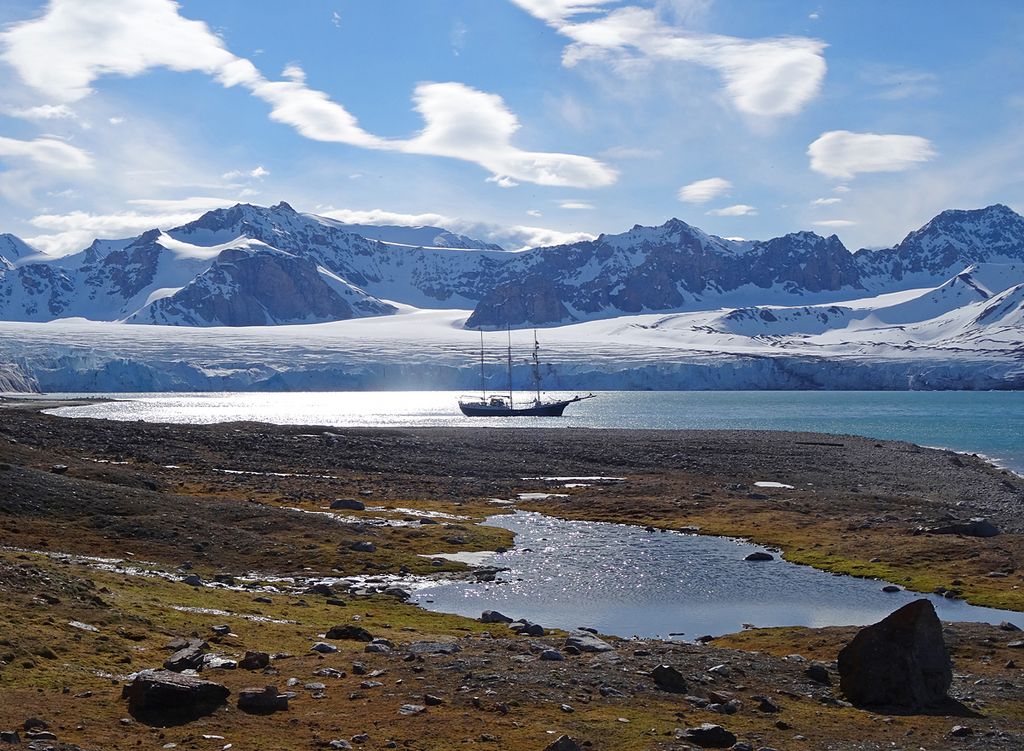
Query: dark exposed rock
363, 546
759, 556
969, 528
162, 697
900, 661
667, 678
9, 736
348, 504
818, 673
708, 735
433, 648
262, 700
189, 657
493, 616
350, 631
254, 661
564, 743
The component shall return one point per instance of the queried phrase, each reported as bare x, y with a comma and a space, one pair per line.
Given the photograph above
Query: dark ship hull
543, 409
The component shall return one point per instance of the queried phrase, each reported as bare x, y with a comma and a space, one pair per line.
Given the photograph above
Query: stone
708, 735
552, 654
340, 744
348, 504
493, 616
254, 661
432, 701
262, 700
901, 661
971, 528
765, 704
397, 592
10, 736
1016, 644
890, 588
323, 648
189, 657
587, 642
363, 546
39, 735
760, 556
218, 662
411, 709
432, 648
818, 673
221, 630
564, 743
163, 697
961, 731
667, 678
350, 631
193, 580
1007, 626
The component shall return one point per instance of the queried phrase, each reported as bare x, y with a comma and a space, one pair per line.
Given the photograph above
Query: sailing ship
503, 405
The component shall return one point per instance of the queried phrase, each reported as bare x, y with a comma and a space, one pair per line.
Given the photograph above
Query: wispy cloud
895, 83
842, 154
45, 112
64, 51
826, 201
835, 223
764, 77
576, 205
739, 209
257, 173
702, 191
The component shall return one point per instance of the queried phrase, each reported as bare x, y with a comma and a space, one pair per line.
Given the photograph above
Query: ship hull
546, 409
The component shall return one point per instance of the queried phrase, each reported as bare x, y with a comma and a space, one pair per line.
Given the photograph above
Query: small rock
348, 504
221, 630
552, 654
708, 735
567, 708
890, 588
189, 657
432, 701
363, 546
10, 736
262, 700
961, 731
411, 709
667, 678
1007, 626
818, 673
193, 580
587, 642
350, 631
493, 616
759, 556
1016, 645
564, 743
339, 744
254, 661
323, 648
765, 704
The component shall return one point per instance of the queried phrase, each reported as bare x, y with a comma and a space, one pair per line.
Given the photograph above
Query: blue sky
522, 121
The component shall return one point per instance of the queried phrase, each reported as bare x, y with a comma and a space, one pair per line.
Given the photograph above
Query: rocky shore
160, 588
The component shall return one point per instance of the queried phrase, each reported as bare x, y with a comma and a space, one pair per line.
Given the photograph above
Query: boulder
667, 678
760, 556
708, 735
587, 642
163, 697
901, 661
349, 631
433, 648
263, 700
348, 504
363, 546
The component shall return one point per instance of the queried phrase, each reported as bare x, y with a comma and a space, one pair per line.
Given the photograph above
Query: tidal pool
628, 581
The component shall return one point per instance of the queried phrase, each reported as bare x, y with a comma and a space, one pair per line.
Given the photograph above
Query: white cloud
45, 112
512, 237
841, 189
257, 173
739, 209
826, 201
835, 223
503, 181
75, 230
336, 18
62, 53
703, 191
116, 120
47, 152
631, 152
293, 72
764, 77
534, 213
576, 205
842, 154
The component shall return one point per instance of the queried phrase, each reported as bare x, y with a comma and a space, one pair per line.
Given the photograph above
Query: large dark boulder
348, 631
709, 736
188, 657
163, 697
899, 662
969, 528
667, 678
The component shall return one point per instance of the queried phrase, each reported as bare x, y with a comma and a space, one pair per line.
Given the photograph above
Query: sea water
985, 422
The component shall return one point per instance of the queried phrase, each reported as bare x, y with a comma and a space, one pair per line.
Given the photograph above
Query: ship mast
510, 365
536, 365
483, 381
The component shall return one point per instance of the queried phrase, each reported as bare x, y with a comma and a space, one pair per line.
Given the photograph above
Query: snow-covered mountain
162, 277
